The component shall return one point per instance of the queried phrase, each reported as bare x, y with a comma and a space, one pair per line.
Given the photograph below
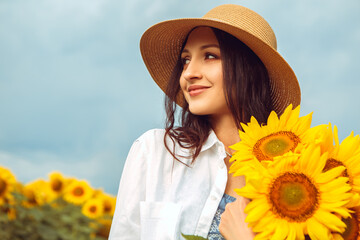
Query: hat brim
161, 44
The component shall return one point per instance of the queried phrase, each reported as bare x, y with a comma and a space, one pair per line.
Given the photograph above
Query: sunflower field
59, 208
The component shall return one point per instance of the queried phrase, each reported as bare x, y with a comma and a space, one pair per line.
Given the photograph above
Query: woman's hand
232, 225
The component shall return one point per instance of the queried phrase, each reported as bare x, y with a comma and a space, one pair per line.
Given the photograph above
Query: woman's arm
233, 225
126, 220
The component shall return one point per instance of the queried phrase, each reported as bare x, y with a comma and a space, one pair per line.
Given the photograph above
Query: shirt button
213, 198
221, 165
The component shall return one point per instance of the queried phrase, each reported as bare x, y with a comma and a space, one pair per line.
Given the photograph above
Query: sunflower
347, 154
57, 182
294, 197
352, 231
321, 135
38, 192
107, 200
98, 192
31, 199
104, 228
8, 208
109, 203
93, 208
78, 192
7, 182
11, 213
277, 137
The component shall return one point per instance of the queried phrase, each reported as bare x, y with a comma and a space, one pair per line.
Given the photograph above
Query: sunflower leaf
192, 237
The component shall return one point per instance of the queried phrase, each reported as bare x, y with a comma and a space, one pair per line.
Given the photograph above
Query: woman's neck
225, 129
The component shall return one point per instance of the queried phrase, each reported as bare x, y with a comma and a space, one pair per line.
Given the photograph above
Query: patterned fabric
214, 233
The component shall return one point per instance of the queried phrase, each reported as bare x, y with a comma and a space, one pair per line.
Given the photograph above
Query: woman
221, 69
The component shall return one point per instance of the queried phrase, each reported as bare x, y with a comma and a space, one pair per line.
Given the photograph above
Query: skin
234, 214
202, 85
201, 80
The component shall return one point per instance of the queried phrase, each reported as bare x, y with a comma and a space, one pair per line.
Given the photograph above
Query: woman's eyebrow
202, 47
209, 46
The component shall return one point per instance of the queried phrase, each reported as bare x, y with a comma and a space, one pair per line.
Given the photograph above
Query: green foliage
192, 237
58, 220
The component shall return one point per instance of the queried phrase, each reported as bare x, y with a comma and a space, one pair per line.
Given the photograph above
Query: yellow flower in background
38, 192
277, 137
57, 182
11, 213
93, 208
98, 193
78, 192
294, 197
109, 203
39, 198
9, 210
7, 183
104, 228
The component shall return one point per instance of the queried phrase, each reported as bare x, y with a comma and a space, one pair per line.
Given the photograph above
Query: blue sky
75, 94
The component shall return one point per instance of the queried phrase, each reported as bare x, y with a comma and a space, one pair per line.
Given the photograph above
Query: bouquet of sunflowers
301, 181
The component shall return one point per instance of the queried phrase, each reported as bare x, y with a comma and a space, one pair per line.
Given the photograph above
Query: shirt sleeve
126, 219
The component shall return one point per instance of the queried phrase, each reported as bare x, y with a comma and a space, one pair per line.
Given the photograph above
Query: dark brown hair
246, 87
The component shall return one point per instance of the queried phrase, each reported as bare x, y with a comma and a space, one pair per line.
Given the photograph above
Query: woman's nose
192, 71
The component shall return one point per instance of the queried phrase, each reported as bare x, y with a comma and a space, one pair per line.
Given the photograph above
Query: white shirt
160, 198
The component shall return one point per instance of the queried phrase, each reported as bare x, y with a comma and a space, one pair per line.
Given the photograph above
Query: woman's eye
185, 61
210, 56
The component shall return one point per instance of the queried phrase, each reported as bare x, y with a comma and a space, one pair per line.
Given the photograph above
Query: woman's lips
195, 90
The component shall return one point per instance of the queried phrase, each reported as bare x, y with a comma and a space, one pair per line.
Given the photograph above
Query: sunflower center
92, 209
107, 207
78, 191
275, 144
3, 186
31, 198
352, 227
333, 163
56, 185
293, 196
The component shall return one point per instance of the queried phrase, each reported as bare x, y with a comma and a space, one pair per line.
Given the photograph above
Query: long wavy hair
246, 88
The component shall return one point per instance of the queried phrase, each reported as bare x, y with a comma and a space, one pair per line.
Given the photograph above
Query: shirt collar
211, 141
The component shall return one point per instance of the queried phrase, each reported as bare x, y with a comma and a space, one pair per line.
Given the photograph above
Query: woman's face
202, 77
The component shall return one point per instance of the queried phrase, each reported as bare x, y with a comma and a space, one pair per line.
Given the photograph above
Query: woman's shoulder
147, 147
152, 135
155, 132
151, 138
152, 141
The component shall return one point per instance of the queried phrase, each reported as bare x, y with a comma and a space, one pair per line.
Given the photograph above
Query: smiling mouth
196, 90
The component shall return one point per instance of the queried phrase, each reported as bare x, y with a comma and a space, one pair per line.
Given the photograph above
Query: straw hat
161, 44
